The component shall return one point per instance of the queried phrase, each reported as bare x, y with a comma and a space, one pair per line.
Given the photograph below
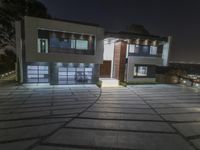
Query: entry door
105, 69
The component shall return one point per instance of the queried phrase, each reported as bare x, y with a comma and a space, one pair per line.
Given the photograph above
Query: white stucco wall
108, 51
166, 51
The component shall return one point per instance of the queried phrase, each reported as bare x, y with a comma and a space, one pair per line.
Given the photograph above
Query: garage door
75, 75
37, 74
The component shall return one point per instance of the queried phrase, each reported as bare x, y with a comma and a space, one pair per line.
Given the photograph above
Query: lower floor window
140, 71
37, 74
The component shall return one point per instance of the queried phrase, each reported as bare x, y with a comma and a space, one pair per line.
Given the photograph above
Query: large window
140, 71
37, 74
65, 42
62, 43
144, 50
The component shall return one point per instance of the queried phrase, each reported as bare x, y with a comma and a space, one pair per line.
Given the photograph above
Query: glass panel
88, 73
71, 77
71, 69
33, 67
54, 41
42, 80
88, 69
43, 67
65, 43
32, 72
43, 72
153, 50
142, 71
82, 44
62, 69
133, 49
62, 77
71, 73
32, 76
88, 77
62, 73
80, 69
32, 80
144, 50
73, 43
42, 45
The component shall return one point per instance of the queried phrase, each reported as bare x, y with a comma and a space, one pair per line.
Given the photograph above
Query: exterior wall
27, 47
166, 51
138, 60
109, 54
19, 52
119, 60
31, 33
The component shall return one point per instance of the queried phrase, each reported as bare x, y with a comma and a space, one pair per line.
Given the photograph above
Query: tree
138, 29
14, 10
8, 58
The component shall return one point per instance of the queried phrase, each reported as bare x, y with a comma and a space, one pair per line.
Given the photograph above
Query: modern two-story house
133, 58
65, 52
58, 52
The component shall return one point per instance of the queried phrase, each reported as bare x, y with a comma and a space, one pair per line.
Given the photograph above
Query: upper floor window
143, 50
153, 50
65, 42
82, 44
42, 45
133, 48
61, 40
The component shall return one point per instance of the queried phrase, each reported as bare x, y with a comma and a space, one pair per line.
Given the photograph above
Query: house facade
58, 52
133, 58
65, 52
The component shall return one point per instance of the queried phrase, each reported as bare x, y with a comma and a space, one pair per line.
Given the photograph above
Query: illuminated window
153, 50
140, 71
82, 44
42, 45
133, 48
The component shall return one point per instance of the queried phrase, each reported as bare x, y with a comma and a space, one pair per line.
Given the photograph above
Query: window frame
39, 50
136, 69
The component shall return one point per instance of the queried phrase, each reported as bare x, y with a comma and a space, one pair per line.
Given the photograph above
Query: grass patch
140, 83
123, 84
99, 84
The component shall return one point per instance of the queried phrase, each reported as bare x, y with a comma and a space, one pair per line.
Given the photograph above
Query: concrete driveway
150, 117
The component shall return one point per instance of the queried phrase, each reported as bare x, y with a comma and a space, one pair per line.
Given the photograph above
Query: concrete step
109, 82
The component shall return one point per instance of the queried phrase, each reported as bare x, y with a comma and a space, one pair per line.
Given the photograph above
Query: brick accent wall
119, 60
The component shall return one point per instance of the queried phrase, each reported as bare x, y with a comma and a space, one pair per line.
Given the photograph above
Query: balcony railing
144, 55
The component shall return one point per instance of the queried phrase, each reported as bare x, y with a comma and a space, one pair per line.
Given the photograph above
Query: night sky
179, 18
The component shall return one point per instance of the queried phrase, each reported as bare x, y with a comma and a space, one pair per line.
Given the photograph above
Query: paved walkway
154, 117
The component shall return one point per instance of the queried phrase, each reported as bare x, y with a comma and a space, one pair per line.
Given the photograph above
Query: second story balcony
64, 42
144, 50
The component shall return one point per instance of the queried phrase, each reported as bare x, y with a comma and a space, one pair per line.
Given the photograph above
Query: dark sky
179, 18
